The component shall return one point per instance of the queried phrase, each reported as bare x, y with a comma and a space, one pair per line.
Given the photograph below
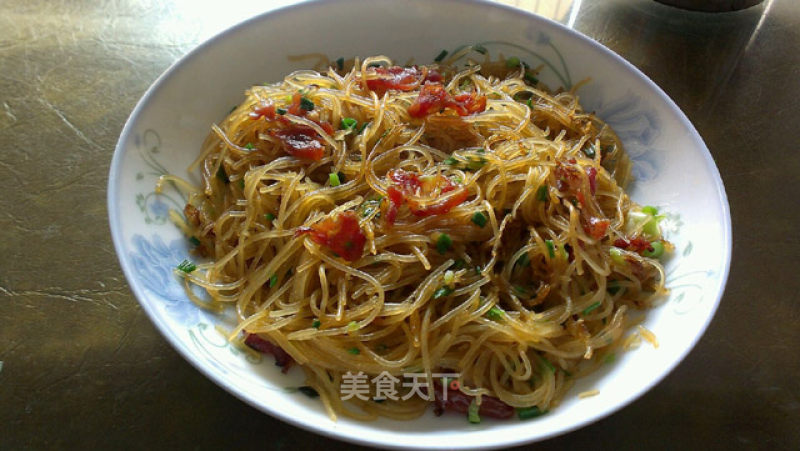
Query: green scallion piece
187, 266
479, 219
308, 391
340, 63
361, 129
306, 104
472, 412
655, 250
269, 217
194, 240
442, 292
281, 111
551, 248
273, 280
524, 260
476, 163
222, 175
591, 308
316, 323
531, 79
512, 61
650, 210
480, 49
458, 264
352, 326
249, 146
354, 350
616, 255
348, 123
333, 179
526, 413
440, 56
495, 313
443, 243
548, 365
451, 161
613, 287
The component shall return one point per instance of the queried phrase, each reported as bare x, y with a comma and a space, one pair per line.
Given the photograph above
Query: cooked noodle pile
422, 220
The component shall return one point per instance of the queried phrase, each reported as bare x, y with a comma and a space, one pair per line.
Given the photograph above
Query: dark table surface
82, 366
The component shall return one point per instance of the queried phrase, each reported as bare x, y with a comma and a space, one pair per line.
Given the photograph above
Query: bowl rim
138, 290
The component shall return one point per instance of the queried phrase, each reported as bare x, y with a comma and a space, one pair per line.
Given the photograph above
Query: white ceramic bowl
674, 169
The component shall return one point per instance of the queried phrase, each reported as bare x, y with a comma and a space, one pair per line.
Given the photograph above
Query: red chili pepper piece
433, 98
300, 141
637, 244
596, 227
264, 110
341, 235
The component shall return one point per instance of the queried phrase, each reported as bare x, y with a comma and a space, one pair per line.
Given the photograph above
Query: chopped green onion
443, 243
441, 56
340, 63
354, 350
273, 280
352, 326
589, 151
512, 61
472, 412
479, 219
524, 260
451, 161
613, 287
187, 266
369, 206
650, 210
306, 104
495, 313
616, 255
476, 163
222, 175
530, 103
333, 179
308, 391
249, 146
547, 364
194, 240
442, 292
657, 250
520, 290
281, 111
348, 123
480, 49
551, 248
591, 308
531, 79
361, 129
541, 193
526, 413
269, 217
458, 264
316, 323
